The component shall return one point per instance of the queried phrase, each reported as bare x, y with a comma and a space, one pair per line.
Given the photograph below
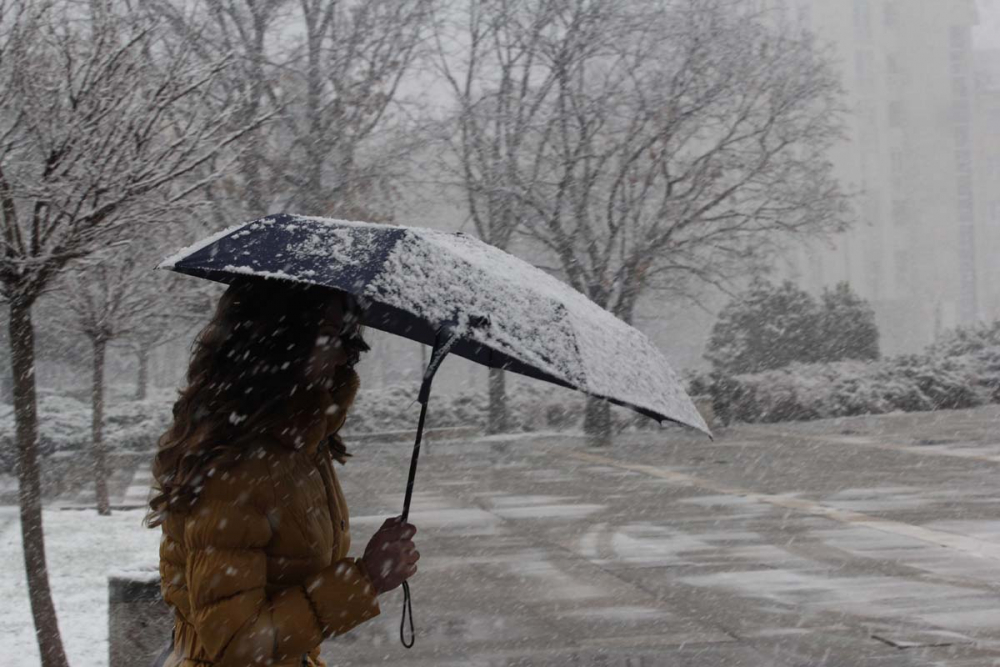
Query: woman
253, 557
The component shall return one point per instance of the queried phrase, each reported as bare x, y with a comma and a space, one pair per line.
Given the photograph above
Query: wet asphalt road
871, 541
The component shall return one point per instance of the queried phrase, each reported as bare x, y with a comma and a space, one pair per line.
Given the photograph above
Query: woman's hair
245, 363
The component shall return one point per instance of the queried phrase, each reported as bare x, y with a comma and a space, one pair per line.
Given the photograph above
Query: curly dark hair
245, 363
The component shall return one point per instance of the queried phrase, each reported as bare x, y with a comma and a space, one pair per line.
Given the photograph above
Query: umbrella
459, 295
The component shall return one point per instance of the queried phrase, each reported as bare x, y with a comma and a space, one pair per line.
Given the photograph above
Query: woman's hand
390, 557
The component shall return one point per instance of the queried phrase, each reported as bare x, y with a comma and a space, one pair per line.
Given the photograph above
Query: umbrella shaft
413, 463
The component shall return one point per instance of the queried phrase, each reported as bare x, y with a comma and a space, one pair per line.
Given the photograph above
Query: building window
863, 68
902, 262
889, 17
993, 166
966, 208
961, 38
960, 88
963, 160
900, 213
964, 183
897, 167
963, 134
895, 113
862, 18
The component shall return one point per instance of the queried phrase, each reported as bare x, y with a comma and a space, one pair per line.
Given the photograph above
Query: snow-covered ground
772, 546
82, 549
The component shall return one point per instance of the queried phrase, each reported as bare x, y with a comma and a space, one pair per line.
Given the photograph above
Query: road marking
940, 538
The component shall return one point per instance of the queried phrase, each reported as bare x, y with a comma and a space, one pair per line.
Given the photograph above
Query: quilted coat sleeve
239, 620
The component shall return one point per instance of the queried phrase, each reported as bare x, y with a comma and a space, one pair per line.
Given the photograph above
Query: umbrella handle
447, 336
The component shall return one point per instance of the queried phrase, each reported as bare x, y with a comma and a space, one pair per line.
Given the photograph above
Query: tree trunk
497, 417
97, 430
383, 363
22, 349
597, 422
250, 165
142, 378
315, 200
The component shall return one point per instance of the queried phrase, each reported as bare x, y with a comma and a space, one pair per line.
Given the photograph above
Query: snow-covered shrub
525, 408
566, 415
467, 409
395, 408
698, 383
64, 425
627, 420
948, 383
911, 383
967, 340
770, 396
846, 327
873, 389
536, 406
531, 407
766, 327
985, 367
382, 409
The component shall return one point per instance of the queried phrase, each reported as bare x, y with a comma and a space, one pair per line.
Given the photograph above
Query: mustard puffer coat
257, 572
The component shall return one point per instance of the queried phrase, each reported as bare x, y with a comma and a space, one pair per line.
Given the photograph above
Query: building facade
921, 156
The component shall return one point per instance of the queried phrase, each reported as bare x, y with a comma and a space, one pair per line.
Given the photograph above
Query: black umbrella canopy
415, 281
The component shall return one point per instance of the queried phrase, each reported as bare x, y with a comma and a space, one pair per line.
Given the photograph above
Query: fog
796, 202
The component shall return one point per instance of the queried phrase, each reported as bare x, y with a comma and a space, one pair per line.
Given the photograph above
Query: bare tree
156, 331
331, 72
678, 142
343, 154
489, 58
96, 134
117, 296
240, 30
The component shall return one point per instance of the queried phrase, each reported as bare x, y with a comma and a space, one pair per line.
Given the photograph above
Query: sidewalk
782, 545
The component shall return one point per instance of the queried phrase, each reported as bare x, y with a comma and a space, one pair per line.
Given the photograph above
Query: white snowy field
82, 549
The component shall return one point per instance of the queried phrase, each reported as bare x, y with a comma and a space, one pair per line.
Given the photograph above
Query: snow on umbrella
417, 280
460, 295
